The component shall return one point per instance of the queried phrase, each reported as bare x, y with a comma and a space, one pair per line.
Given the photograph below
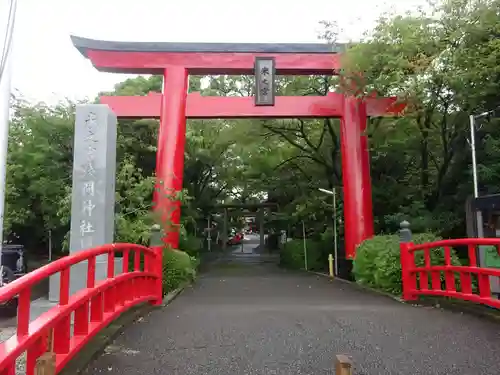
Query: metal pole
209, 234
473, 149
479, 216
334, 194
5, 91
481, 251
305, 245
335, 232
224, 231
261, 229
50, 245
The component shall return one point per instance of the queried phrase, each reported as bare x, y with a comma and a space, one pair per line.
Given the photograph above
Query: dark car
14, 265
14, 262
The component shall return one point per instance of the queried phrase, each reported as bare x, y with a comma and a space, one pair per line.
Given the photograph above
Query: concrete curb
458, 306
98, 344
461, 307
169, 297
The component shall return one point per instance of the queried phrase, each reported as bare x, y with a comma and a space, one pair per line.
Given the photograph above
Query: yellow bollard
330, 264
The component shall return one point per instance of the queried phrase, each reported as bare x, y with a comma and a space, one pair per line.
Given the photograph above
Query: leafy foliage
439, 62
191, 245
178, 268
378, 264
292, 255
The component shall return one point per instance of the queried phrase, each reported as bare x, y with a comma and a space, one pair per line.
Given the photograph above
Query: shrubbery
292, 255
178, 268
378, 264
191, 245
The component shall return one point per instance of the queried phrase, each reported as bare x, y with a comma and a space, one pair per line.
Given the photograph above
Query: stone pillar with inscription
93, 193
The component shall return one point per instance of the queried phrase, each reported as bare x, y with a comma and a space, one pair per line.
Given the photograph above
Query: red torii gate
175, 61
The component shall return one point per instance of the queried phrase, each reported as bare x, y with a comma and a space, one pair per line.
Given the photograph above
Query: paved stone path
243, 317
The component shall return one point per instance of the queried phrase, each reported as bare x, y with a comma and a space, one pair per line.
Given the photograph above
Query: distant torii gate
256, 206
175, 61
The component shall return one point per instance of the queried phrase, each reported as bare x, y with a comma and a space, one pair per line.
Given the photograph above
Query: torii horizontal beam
209, 58
204, 107
243, 205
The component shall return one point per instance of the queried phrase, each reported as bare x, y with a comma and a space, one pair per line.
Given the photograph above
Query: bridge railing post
156, 244
408, 278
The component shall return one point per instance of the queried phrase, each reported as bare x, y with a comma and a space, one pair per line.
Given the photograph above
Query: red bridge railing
466, 282
91, 309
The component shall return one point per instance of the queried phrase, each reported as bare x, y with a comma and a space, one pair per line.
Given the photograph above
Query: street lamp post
479, 217
334, 195
472, 124
473, 151
209, 238
9, 8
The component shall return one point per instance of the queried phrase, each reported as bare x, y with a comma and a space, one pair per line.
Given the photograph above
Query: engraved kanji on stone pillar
93, 191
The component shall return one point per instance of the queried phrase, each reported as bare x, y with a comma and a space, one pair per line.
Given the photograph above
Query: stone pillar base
78, 276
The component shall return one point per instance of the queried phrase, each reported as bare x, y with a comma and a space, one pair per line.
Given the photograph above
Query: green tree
421, 161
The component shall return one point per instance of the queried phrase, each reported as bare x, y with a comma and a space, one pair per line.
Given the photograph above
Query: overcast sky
47, 67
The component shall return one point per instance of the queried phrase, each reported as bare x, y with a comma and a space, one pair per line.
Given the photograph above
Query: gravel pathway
6, 333
258, 319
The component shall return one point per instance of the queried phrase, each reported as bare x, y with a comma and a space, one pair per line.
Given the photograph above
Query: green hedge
178, 268
292, 255
378, 263
191, 245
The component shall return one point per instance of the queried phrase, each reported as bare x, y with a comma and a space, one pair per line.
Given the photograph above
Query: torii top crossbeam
175, 61
224, 58
208, 58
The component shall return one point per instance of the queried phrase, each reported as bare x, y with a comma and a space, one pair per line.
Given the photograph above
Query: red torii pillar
170, 151
176, 60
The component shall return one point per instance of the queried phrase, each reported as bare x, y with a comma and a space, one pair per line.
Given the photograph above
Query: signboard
265, 73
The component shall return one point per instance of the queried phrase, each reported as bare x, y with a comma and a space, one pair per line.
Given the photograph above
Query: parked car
235, 239
14, 265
